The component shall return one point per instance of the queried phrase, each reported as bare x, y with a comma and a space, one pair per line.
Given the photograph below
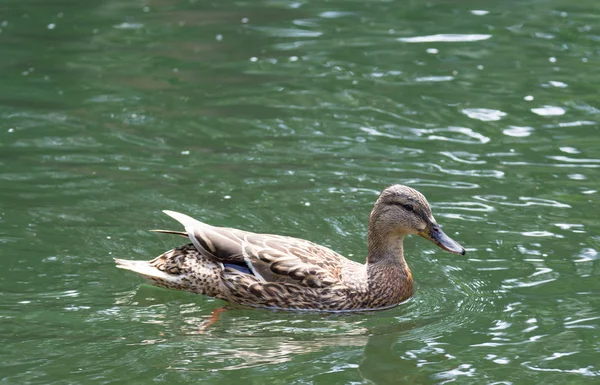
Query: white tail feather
144, 269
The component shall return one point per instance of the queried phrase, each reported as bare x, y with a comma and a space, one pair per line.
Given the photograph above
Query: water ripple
445, 38
433, 79
286, 32
475, 137
464, 157
529, 201
468, 206
573, 160
484, 114
518, 132
549, 111
477, 173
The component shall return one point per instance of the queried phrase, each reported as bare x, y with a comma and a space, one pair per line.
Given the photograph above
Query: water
289, 117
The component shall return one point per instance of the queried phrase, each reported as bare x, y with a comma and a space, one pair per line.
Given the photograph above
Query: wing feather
271, 258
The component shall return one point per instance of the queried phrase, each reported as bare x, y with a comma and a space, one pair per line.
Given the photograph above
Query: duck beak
437, 236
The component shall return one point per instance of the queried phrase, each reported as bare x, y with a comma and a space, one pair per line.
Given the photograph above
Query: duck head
402, 210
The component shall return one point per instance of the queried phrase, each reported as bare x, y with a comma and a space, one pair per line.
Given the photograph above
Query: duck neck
390, 279
385, 246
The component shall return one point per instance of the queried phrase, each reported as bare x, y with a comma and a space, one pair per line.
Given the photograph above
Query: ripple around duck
175, 326
245, 339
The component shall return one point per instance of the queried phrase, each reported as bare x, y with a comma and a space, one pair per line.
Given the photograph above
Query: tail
145, 270
182, 268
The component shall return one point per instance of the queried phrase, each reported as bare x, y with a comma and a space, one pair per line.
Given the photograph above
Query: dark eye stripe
407, 206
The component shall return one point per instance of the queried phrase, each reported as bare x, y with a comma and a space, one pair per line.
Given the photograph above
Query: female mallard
273, 271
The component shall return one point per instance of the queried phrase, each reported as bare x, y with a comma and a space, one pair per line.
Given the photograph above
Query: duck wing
270, 258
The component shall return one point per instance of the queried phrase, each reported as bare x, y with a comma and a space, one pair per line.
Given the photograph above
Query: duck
287, 273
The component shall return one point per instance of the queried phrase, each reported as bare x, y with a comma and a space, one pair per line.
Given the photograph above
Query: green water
289, 117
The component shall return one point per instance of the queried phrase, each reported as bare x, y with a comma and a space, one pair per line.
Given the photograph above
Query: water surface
289, 117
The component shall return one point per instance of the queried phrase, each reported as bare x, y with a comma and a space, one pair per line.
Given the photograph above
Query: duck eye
408, 207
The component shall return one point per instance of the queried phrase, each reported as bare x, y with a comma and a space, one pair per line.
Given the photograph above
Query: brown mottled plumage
273, 271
